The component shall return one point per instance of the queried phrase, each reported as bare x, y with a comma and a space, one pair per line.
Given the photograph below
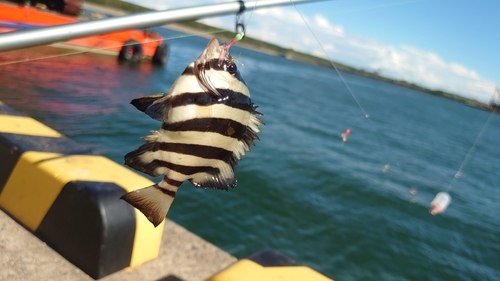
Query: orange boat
130, 45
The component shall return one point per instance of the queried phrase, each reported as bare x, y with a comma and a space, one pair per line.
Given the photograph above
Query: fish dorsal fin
248, 136
152, 105
223, 178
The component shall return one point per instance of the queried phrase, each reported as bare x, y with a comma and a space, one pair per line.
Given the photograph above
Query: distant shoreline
116, 7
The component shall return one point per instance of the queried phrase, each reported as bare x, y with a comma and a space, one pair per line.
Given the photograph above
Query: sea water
344, 209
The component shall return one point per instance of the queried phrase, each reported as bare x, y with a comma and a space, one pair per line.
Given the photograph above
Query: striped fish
208, 124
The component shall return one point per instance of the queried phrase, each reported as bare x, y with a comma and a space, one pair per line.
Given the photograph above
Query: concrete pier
183, 256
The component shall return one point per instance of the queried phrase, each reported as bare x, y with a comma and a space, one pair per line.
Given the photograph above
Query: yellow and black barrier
70, 198
268, 265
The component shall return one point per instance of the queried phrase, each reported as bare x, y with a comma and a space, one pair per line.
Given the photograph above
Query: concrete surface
183, 256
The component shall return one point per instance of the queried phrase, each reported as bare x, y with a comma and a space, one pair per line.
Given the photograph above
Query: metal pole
52, 34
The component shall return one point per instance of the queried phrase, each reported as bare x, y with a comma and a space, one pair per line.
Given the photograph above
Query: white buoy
440, 203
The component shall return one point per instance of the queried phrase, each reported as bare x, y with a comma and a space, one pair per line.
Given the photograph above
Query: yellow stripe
25, 126
247, 270
39, 177
30, 190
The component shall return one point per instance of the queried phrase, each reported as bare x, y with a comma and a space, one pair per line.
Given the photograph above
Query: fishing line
331, 62
253, 10
365, 114
93, 49
443, 198
472, 149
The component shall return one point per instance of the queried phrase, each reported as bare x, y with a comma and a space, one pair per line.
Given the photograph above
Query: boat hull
14, 17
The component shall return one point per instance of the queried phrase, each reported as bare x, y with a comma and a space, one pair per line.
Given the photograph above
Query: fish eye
231, 68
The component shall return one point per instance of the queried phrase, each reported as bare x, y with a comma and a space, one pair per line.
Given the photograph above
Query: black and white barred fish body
208, 124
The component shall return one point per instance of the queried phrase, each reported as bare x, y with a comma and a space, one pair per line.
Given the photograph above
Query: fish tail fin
153, 201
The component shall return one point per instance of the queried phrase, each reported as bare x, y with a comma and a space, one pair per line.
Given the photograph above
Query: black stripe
229, 98
212, 64
185, 170
165, 191
171, 181
225, 127
203, 151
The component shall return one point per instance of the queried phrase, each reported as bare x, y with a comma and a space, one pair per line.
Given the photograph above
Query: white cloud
428, 69
463, 71
285, 27
321, 21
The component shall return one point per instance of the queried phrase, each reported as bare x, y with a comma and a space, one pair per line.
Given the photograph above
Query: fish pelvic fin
153, 201
153, 105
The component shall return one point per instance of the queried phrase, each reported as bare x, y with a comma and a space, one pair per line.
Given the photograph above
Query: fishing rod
59, 33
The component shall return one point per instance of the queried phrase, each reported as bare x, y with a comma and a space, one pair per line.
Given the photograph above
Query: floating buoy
440, 203
345, 134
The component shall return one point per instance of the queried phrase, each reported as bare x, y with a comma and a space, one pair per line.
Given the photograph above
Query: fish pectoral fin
152, 105
222, 178
153, 201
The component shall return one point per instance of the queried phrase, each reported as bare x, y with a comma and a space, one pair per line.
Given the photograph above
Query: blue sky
450, 45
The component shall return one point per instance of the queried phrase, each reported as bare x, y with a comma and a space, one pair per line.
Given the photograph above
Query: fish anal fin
152, 105
144, 159
153, 201
221, 178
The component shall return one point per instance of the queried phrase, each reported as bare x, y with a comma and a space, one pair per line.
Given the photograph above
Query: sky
448, 45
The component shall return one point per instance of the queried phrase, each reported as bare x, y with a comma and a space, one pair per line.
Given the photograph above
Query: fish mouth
214, 57
214, 47
213, 50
